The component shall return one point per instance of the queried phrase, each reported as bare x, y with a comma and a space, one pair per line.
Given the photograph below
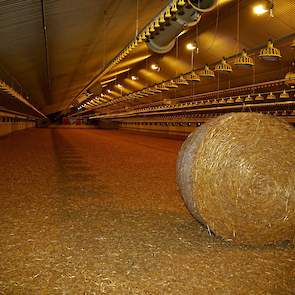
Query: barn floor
97, 212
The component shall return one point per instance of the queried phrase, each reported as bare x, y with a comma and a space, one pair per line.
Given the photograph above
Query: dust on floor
97, 212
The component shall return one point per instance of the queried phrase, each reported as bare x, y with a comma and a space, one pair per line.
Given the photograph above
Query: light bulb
191, 46
260, 9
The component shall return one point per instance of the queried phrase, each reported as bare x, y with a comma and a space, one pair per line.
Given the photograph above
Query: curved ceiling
217, 37
55, 47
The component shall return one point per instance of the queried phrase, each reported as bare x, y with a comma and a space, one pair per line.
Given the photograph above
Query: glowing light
260, 9
109, 91
119, 85
155, 67
191, 46
134, 78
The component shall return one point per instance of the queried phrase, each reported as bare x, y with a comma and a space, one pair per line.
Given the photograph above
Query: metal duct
164, 40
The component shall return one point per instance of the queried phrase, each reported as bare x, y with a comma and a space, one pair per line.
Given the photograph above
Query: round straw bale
236, 175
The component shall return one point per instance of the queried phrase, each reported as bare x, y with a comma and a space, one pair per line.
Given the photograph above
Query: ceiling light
191, 46
181, 81
119, 85
239, 99
207, 73
244, 60
249, 98
193, 77
155, 67
260, 9
171, 84
270, 53
284, 95
230, 100
290, 79
263, 7
134, 78
259, 97
223, 67
271, 96
156, 89
143, 94
163, 87
109, 91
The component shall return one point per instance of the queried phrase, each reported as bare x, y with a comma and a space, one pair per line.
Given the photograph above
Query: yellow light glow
172, 64
134, 84
191, 46
155, 67
152, 76
134, 78
260, 9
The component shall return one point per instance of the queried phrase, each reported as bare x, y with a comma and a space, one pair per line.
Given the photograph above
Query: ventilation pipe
163, 40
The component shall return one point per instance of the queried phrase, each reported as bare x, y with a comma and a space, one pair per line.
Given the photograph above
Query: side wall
9, 125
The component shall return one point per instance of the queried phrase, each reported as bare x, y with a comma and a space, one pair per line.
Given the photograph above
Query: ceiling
81, 36
217, 38
53, 65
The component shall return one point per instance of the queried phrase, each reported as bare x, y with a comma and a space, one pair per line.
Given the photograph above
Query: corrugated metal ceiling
82, 35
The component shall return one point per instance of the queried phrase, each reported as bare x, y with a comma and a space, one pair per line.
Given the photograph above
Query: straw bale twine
236, 175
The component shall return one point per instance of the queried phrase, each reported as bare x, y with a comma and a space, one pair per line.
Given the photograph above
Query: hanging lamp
207, 73
259, 97
156, 89
230, 100
193, 76
248, 98
284, 95
163, 87
271, 96
171, 84
290, 79
270, 53
181, 81
223, 67
244, 61
239, 99
222, 101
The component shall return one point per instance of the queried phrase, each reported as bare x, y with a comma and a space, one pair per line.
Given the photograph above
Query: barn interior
96, 100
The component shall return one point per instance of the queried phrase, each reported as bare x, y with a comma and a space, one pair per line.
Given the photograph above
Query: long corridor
98, 212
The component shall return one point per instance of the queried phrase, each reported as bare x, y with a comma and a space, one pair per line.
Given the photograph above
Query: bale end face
236, 175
